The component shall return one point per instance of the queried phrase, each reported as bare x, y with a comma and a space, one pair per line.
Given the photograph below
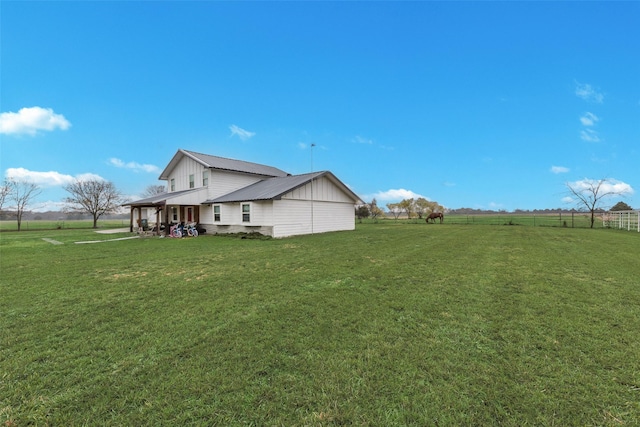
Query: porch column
157, 222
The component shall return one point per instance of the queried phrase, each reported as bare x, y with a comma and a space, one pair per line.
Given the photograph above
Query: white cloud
608, 186
589, 119
559, 169
588, 93
31, 120
135, 166
589, 135
47, 179
393, 195
568, 200
361, 140
241, 133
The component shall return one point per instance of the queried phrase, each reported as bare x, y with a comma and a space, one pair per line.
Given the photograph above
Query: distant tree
408, 206
362, 211
21, 193
591, 192
621, 206
153, 190
425, 207
374, 210
95, 197
4, 192
395, 209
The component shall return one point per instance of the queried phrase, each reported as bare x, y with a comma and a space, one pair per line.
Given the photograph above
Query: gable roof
274, 188
222, 163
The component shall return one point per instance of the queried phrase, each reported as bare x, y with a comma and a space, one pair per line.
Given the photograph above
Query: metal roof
160, 199
222, 163
274, 188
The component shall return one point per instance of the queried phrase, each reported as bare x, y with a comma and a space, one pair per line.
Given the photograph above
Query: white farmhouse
229, 196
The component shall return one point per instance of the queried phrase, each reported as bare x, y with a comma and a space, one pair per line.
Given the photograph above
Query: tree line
412, 208
94, 197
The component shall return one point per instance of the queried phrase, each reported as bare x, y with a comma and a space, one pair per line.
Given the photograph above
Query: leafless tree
21, 193
95, 197
591, 193
4, 192
153, 190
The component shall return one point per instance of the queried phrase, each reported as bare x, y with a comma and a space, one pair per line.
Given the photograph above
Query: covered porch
158, 212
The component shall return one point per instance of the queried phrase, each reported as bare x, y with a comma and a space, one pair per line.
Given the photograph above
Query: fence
622, 220
556, 219
629, 220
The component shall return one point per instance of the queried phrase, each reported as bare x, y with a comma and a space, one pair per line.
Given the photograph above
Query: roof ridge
227, 158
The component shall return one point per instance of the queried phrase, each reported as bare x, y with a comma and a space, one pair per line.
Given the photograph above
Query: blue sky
490, 105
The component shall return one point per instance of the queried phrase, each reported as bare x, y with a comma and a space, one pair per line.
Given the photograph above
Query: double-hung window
216, 213
246, 212
205, 178
192, 181
173, 184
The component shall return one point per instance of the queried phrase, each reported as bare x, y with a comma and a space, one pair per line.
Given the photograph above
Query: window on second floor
173, 184
192, 181
216, 213
205, 178
246, 212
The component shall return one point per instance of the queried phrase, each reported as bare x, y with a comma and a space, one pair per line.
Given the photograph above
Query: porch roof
160, 199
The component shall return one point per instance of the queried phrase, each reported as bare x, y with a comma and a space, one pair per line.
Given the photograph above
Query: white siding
292, 217
224, 182
181, 173
321, 190
220, 182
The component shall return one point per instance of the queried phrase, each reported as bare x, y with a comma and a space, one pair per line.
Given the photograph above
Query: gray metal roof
160, 199
274, 188
223, 163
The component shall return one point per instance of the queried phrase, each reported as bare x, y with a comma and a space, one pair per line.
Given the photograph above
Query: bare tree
153, 190
590, 192
4, 192
95, 197
21, 193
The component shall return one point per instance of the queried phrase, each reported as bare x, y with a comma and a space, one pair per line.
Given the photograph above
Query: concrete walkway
113, 231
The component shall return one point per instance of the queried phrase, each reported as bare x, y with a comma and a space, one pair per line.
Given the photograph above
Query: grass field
391, 324
34, 225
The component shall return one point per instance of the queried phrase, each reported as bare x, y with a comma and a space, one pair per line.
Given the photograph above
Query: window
216, 213
174, 213
205, 178
192, 181
173, 184
246, 212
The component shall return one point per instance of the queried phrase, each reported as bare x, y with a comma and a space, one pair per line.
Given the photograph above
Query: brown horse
435, 215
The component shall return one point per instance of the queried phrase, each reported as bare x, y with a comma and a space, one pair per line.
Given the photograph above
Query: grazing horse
435, 215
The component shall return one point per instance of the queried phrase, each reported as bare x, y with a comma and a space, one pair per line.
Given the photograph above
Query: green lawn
391, 324
34, 225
